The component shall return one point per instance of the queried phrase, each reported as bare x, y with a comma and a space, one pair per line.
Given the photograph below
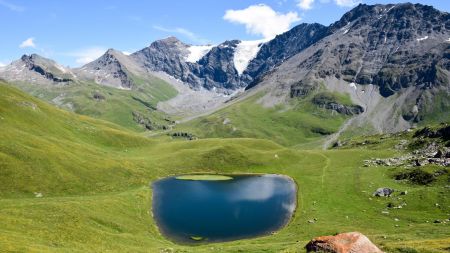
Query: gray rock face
343, 109
167, 55
282, 47
392, 46
215, 70
328, 101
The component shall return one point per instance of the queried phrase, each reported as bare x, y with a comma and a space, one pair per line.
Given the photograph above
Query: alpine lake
190, 209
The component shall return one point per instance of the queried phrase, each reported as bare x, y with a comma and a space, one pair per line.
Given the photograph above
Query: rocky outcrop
328, 101
426, 132
303, 88
343, 109
342, 243
383, 192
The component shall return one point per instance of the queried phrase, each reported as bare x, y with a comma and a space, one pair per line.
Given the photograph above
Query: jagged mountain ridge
383, 48
214, 70
386, 29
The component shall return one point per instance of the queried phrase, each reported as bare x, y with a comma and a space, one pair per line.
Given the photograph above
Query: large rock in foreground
342, 243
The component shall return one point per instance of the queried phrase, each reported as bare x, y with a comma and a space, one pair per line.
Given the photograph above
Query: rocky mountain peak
113, 52
35, 59
111, 56
35, 67
110, 69
171, 44
403, 14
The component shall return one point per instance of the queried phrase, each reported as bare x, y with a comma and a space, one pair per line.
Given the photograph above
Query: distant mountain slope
110, 88
112, 69
392, 59
281, 48
37, 70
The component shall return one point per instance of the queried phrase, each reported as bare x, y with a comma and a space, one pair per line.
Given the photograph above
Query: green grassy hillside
298, 122
110, 104
69, 183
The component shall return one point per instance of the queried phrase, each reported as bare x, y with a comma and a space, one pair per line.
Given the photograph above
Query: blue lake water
188, 211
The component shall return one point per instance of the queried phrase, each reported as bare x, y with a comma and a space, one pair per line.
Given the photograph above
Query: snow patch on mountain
245, 52
424, 38
61, 68
197, 52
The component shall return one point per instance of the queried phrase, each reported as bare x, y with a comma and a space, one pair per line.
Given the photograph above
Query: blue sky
74, 32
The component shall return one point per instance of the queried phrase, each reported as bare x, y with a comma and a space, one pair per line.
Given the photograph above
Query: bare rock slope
393, 60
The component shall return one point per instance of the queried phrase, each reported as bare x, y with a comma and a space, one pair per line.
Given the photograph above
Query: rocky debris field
419, 148
431, 154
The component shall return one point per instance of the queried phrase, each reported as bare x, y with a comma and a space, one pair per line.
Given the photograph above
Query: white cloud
347, 3
2, 64
178, 30
305, 4
11, 6
87, 55
28, 43
308, 4
262, 20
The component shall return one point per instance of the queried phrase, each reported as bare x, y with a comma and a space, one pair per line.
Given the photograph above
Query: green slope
300, 121
110, 104
94, 179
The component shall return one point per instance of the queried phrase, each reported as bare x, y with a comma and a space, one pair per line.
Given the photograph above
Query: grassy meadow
71, 183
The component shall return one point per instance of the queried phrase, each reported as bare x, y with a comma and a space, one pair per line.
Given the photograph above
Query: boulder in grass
383, 192
353, 242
